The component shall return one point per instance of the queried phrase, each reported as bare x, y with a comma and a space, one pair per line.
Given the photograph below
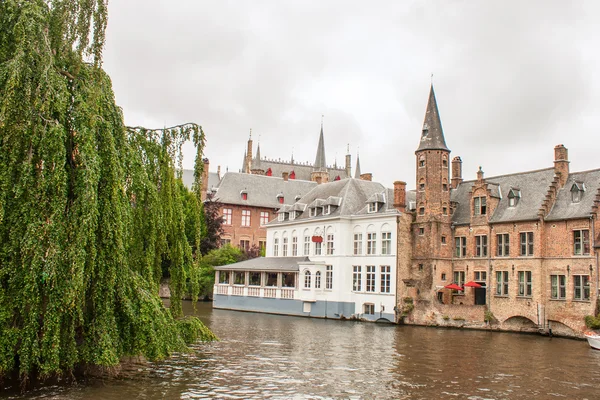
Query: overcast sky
512, 78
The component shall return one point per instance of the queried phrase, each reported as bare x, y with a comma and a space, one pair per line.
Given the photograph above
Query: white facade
354, 263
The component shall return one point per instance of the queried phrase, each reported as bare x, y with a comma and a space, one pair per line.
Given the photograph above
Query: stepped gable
262, 190
532, 185
565, 208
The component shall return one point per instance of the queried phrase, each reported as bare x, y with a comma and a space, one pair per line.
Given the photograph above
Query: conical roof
432, 136
320, 159
256, 162
357, 173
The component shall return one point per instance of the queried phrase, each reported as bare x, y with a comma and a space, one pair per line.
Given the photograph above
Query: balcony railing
268, 292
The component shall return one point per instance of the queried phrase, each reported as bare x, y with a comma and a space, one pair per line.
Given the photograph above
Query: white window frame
264, 217
329, 244
307, 245
275, 247
307, 279
371, 276
329, 277
357, 244
371, 243
386, 243
356, 278
386, 278
373, 207
294, 246
227, 215
284, 246
246, 221
318, 280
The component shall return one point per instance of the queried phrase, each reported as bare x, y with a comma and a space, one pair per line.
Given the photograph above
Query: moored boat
593, 339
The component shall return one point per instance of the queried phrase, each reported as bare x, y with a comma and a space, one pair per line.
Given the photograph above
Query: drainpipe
597, 262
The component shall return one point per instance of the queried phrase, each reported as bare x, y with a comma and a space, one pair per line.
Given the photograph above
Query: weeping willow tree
89, 210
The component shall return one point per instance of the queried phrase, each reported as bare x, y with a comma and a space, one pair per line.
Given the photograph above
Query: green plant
445, 317
488, 316
458, 319
407, 306
592, 322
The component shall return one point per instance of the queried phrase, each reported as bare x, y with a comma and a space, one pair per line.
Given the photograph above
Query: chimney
204, 187
400, 196
561, 164
366, 176
285, 176
480, 174
258, 171
456, 172
348, 166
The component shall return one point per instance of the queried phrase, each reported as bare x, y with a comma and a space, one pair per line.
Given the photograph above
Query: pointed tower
348, 163
249, 155
357, 171
256, 167
431, 230
320, 174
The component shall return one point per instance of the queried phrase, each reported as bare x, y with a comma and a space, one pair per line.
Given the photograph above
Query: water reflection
267, 356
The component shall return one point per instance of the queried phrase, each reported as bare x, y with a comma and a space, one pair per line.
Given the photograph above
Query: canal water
277, 357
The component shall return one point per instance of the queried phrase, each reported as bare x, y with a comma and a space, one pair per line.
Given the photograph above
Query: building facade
522, 247
331, 254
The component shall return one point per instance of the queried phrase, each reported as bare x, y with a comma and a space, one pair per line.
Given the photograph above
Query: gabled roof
432, 136
262, 190
565, 208
533, 186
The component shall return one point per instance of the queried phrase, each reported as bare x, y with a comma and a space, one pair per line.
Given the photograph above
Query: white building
331, 254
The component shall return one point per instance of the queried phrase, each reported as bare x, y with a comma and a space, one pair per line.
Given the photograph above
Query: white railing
270, 292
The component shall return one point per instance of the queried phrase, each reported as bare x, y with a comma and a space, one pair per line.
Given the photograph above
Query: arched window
329, 241
284, 244
444, 162
371, 240
421, 161
445, 185
318, 280
422, 184
307, 279
294, 244
386, 239
275, 245
357, 242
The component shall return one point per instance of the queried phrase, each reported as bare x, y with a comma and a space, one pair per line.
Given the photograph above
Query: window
245, 217
577, 190
294, 246
558, 287
481, 246
307, 279
262, 245
271, 279
459, 277
264, 217
525, 283
244, 195
443, 276
443, 239
306, 245
313, 212
480, 276
460, 246
420, 267
371, 243
245, 244
445, 187
225, 242
318, 247
288, 279
501, 283
370, 278
581, 242
356, 278
254, 278
280, 198
503, 245
357, 244
224, 277
275, 247
369, 308
292, 215
422, 162
327, 209
445, 163
227, 213
526, 243
329, 277
284, 247
386, 243
581, 290
281, 217
330, 244
512, 201
318, 280
386, 279
239, 278
479, 206
421, 231
444, 210
421, 186
373, 207
513, 197
422, 211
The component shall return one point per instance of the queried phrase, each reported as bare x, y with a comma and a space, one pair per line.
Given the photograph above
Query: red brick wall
254, 233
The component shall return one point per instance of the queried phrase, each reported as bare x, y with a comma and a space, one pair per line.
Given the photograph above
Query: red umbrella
453, 286
472, 284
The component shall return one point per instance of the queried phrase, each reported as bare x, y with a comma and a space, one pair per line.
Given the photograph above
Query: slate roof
188, 179
262, 190
565, 208
266, 264
533, 187
432, 137
354, 194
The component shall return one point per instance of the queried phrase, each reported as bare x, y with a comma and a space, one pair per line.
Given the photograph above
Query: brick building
525, 244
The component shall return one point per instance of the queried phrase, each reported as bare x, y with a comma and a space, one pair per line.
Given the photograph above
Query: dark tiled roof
188, 179
262, 190
266, 264
533, 186
432, 137
302, 171
354, 194
565, 208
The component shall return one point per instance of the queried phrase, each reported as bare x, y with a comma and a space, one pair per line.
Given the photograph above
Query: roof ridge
514, 173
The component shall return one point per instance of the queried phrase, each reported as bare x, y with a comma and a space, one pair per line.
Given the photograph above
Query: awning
453, 286
473, 284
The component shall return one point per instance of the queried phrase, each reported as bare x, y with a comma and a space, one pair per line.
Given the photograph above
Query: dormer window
313, 212
281, 217
327, 209
513, 197
373, 207
480, 205
244, 194
280, 198
292, 215
577, 190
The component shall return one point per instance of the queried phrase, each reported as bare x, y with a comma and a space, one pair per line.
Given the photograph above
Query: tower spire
320, 159
357, 170
432, 136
